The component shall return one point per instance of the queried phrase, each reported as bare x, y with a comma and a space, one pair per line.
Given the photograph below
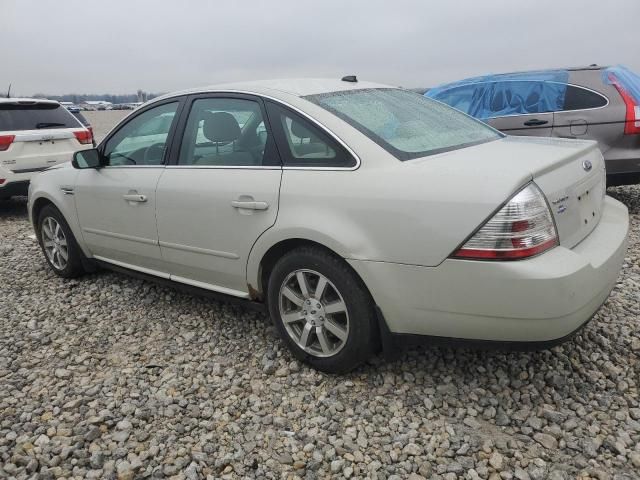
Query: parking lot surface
107, 376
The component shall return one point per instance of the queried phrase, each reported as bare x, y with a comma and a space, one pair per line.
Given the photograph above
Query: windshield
405, 123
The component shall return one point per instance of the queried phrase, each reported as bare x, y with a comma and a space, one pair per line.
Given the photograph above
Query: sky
120, 46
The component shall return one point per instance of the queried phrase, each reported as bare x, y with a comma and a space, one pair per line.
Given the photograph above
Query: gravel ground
112, 377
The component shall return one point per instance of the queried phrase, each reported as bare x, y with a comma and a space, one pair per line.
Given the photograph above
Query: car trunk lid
489, 175
575, 188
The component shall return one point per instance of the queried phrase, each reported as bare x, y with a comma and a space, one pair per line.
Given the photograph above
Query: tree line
79, 98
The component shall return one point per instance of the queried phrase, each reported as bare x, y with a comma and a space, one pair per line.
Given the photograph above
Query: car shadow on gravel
13, 208
629, 195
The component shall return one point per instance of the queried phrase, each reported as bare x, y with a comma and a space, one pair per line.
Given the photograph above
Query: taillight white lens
522, 228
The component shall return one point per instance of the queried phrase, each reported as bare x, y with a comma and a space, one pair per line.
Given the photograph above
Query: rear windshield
405, 123
35, 116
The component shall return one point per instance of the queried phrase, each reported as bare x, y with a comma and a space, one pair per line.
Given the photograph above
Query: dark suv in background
598, 103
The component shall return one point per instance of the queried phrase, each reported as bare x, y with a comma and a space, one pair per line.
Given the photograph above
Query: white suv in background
34, 135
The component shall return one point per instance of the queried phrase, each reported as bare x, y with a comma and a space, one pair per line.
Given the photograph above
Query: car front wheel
322, 310
58, 243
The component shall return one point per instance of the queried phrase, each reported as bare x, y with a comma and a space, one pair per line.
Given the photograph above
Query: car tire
339, 321
57, 241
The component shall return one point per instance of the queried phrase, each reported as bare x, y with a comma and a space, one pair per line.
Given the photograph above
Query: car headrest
220, 127
300, 131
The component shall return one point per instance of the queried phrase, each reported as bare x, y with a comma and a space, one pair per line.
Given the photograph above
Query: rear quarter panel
414, 212
605, 124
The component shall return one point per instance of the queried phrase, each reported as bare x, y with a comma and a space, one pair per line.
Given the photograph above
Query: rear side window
36, 116
501, 98
578, 98
227, 132
303, 144
460, 98
405, 123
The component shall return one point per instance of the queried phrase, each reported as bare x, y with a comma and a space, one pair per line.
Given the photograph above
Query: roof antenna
349, 78
9, 92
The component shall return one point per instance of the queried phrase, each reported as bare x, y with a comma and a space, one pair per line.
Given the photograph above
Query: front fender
48, 186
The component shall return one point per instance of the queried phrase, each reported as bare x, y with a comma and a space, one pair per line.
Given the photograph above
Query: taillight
84, 136
6, 141
522, 228
632, 118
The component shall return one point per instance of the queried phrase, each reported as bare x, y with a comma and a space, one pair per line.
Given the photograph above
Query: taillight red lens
6, 141
522, 228
632, 118
84, 136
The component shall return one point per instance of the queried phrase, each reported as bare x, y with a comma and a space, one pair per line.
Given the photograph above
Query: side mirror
87, 159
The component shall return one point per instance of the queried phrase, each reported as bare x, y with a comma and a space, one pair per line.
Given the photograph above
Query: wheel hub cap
314, 313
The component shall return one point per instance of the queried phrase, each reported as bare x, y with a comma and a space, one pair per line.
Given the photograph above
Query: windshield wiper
49, 124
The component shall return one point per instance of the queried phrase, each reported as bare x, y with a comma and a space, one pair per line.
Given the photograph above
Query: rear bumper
542, 299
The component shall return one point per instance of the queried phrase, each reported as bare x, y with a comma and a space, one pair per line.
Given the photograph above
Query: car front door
220, 193
116, 203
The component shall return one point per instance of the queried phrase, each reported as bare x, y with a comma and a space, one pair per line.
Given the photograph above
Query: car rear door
116, 204
518, 107
220, 193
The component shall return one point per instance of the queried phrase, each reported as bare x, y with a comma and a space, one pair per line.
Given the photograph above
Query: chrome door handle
249, 205
135, 197
535, 122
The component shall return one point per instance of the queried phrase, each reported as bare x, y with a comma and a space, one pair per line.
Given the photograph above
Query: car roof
298, 87
28, 101
526, 74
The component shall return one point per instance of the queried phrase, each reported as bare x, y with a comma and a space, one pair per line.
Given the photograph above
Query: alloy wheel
314, 313
55, 243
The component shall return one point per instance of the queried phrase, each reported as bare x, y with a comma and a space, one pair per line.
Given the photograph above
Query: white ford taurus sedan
360, 215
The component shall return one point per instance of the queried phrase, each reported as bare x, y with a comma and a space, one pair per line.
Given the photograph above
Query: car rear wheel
58, 243
322, 310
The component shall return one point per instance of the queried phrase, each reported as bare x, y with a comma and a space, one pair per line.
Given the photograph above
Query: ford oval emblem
587, 165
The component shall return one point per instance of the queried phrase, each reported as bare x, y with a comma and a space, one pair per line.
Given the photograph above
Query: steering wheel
153, 153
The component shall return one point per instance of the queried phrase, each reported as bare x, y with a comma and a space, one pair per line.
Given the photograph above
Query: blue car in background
595, 102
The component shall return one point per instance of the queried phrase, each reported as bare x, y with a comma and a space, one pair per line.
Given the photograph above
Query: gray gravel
112, 377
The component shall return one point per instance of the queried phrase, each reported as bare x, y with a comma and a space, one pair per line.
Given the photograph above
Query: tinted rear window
405, 123
577, 98
35, 117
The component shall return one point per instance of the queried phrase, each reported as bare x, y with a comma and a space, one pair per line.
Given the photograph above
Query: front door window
142, 141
